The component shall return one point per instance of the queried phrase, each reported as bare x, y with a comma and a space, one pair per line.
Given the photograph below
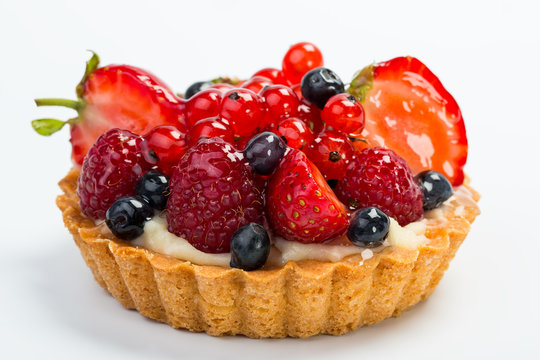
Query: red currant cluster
272, 100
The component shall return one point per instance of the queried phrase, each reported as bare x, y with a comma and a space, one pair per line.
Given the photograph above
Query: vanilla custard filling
156, 237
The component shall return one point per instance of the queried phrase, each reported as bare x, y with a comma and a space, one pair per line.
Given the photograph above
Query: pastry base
300, 299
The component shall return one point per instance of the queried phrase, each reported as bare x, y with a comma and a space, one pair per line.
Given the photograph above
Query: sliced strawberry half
300, 204
114, 96
408, 110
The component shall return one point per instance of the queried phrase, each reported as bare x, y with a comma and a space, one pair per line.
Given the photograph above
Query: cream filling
156, 237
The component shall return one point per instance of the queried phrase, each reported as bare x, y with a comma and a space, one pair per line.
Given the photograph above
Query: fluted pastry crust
300, 299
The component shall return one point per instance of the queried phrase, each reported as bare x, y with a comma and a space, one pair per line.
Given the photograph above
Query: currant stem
72, 104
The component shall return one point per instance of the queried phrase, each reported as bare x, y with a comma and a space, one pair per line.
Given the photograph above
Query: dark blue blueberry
196, 87
436, 189
250, 247
127, 215
154, 187
264, 152
369, 227
320, 84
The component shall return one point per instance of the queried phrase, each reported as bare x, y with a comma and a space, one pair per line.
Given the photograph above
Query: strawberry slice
114, 96
300, 204
408, 110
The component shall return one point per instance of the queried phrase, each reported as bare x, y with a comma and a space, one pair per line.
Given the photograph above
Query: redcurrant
294, 132
169, 144
256, 83
275, 75
244, 110
332, 152
301, 58
202, 105
281, 103
344, 113
311, 115
223, 87
209, 128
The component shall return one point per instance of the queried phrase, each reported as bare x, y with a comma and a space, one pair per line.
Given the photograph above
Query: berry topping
311, 115
264, 152
344, 113
275, 75
300, 59
408, 110
115, 96
250, 247
294, 132
111, 169
126, 217
281, 103
436, 189
321, 84
197, 87
211, 127
300, 204
256, 83
203, 105
222, 87
244, 110
153, 186
169, 143
379, 177
212, 195
331, 152
369, 227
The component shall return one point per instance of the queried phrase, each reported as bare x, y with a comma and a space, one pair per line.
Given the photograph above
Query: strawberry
407, 109
300, 204
114, 96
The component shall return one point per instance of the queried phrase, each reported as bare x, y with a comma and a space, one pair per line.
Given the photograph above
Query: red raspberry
379, 177
213, 194
110, 169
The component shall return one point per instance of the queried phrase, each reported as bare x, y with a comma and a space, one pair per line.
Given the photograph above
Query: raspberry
379, 177
213, 194
111, 169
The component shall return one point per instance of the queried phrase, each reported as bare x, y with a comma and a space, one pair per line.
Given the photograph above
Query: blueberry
436, 189
250, 247
127, 215
320, 84
154, 187
264, 152
196, 87
369, 227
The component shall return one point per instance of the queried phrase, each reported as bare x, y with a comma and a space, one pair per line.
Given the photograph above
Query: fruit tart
287, 204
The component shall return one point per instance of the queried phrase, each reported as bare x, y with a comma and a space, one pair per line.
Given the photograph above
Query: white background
486, 53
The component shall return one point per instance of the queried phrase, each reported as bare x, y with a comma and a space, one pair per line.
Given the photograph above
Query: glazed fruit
126, 217
379, 177
203, 105
169, 144
301, 58
300, 205
114, 96
244, 110
211, 127
369, 227
331, 151
281, 103
276, 76
111, 169
250, 247
344, 113
197, 87
212, 195
409, 111
436, 189
256, 83
321, 84
264, 152
294, 132
153, 186
311, 115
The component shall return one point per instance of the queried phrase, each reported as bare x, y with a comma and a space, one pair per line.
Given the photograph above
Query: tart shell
299, 299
